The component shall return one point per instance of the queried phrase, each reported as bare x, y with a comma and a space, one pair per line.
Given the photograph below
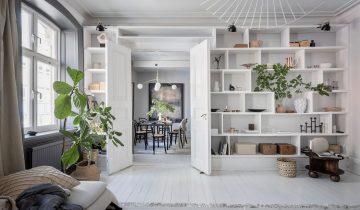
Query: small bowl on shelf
325, 65
214, 110
256, 110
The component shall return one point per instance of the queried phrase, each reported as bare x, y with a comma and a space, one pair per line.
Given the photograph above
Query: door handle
204, 116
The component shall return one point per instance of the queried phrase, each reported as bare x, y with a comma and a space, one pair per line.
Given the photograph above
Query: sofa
91, 195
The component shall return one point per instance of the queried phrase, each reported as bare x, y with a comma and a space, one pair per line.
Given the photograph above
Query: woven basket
287, 167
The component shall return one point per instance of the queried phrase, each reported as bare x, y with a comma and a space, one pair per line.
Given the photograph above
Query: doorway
172, 71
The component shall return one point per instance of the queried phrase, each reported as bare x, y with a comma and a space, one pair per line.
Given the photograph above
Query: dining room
161, 106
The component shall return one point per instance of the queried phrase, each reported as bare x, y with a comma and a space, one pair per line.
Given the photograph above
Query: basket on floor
287, 167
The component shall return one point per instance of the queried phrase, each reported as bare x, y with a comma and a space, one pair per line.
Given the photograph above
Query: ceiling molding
349, 16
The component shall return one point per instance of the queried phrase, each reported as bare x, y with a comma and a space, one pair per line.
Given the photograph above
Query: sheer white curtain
11, 148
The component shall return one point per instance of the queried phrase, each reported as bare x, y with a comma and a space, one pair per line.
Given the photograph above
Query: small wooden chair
320, 164
158, 133
139, 134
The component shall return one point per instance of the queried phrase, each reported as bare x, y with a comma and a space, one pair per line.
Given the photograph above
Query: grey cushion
86, 193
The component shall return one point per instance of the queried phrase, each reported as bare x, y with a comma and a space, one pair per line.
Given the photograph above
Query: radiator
47, 154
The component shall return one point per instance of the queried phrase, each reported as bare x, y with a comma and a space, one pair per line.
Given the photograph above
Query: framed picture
173, 97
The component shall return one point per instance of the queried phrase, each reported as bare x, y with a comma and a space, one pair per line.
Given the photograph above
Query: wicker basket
287, 167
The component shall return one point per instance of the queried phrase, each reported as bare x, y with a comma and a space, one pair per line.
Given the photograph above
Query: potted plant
92, 126
277, 81
159, 107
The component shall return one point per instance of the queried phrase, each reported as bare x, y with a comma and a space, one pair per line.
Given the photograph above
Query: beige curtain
11, 148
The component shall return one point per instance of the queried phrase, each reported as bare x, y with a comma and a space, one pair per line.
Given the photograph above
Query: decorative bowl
325, 65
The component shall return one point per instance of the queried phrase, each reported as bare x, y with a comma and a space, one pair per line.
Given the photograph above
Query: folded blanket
44, 197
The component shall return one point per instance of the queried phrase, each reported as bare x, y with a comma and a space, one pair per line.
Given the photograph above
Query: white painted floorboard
171, 186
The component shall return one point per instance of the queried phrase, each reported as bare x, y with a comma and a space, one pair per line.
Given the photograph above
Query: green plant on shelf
160, 107
93, 125
278, 81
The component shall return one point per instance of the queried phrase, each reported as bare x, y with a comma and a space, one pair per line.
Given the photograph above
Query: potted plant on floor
93, 126
159, 107
277, 81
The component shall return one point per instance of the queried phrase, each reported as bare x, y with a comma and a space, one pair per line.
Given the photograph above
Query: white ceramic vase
300, 105
216, 86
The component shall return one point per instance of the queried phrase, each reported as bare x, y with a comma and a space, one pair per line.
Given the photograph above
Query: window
40, 43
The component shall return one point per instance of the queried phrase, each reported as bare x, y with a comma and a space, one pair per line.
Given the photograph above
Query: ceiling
181, 11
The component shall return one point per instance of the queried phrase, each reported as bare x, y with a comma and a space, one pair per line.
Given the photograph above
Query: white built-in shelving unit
275, 127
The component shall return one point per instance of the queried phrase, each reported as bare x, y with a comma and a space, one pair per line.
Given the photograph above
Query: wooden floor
154, 184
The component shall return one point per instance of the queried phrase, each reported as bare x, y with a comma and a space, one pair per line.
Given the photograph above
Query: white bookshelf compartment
314, 56
95, 59
321, 38
340, 121
279, 55
238, 57
305, 140
279, 123
225, 39
215, 144
337, 76
294, 140
240, 79
216, 75
260, 100
216, 122
333, 100
233, 101
223, 61
241, 123
271, 37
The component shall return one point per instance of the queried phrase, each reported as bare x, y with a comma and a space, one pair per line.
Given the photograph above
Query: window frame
34, 58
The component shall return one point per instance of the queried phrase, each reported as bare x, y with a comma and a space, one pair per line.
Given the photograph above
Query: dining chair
158, 133
172, 134
139, 134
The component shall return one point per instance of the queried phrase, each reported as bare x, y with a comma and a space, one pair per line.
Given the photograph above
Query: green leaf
70, 156
79, 100
76, 75
77, 120
62, 106
73, 114
62, 87
68, 135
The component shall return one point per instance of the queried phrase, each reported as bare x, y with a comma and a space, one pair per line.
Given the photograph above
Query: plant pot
300, 105
94, 156
86, 172
280, 108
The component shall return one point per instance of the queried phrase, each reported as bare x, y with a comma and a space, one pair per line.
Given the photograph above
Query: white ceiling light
157, 84
260, 14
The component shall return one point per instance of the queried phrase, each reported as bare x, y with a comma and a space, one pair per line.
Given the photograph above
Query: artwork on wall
175, 97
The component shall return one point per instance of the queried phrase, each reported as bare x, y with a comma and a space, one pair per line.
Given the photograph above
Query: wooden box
245, 149
294, 44
335, 148
102, 86
267, 149
286, 149
241, 46
304, 43
94, 86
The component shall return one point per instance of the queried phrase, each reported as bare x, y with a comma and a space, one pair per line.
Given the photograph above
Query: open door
119, 97
200, 99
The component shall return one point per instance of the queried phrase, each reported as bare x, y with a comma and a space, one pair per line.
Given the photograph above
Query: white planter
300, 105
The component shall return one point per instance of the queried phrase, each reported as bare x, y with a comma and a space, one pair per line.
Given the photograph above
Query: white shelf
280, 134
165, 38
96, 50
98, 91
96, 70
257, 156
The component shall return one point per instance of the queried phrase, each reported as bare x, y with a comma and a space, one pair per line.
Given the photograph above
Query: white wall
141, 97
354, 163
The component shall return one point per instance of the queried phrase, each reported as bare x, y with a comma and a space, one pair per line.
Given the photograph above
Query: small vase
280, 108
300, 104
216, 86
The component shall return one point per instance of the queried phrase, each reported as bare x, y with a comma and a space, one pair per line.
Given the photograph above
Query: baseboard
353, 165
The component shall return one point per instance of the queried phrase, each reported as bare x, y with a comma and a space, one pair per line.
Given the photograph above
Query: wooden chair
320, 164
158, 133
172, 134
139, 134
